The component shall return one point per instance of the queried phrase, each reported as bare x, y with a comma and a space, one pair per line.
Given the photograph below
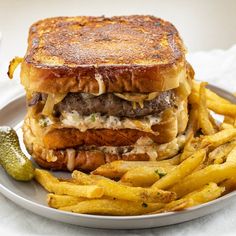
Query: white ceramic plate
33, 197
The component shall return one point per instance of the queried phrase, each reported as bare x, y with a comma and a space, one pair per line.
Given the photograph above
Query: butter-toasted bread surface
130, 53
84, 41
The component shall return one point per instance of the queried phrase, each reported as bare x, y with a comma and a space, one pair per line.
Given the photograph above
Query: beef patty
110, 104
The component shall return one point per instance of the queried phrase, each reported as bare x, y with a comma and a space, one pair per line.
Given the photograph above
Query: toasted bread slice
124, 54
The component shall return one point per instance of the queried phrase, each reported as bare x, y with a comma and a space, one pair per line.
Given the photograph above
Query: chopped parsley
160, 173
93, 118
44, 122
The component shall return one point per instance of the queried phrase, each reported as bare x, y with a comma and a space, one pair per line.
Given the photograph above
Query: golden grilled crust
84, 41
130, 53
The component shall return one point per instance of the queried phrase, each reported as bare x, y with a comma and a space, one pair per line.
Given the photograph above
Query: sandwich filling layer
120, 105
91, 157
84, 130
103, 89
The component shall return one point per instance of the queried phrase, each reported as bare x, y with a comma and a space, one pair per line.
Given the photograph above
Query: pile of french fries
203, 170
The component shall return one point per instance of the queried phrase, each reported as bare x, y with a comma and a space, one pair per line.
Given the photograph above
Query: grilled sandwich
101, 89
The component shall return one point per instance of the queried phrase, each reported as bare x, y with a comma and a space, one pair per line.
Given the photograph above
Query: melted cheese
134, 106
52, 100
97, 121
141, 104
70, 158
101, 85
137, 97
145, 145
50, 157
155, 151
184, 89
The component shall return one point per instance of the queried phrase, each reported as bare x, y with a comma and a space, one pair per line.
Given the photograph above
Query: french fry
126, 183
45, 179
88, 191
212, 173
117, 169
51, 184
214, 102
144, 176
219, 138
204, 122
82, 178
113, 207
231, 157
171, 161
189, 148
229, 120
214, 122
221, 108
176, 205
209, 94
58, 201
119, 191
207, 193
193, 98
193, 122
218, 155
226, 126
182, 170
229, 185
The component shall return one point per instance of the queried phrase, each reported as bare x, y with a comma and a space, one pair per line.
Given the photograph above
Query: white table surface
216, 66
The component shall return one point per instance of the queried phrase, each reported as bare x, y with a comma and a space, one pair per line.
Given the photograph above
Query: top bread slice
123, 54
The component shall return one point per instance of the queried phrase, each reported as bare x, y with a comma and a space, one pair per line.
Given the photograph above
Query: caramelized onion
13, 65
137, 97
52, 100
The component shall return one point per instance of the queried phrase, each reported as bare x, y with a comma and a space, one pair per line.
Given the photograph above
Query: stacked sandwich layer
102, 89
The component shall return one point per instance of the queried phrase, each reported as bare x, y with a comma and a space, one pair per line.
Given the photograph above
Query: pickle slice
12, 159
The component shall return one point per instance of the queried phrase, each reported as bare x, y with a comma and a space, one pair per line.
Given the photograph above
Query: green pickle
12, 159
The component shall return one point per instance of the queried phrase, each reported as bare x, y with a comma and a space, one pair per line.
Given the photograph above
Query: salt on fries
203, 170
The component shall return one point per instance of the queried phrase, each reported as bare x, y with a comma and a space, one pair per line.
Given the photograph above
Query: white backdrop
202, 24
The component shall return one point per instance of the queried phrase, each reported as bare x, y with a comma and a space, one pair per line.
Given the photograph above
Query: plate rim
12, 100
4, 189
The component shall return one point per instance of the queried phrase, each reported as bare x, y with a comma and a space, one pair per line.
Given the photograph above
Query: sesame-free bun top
128, 53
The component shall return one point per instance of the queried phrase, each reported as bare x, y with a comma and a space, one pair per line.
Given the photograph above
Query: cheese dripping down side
71, 153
